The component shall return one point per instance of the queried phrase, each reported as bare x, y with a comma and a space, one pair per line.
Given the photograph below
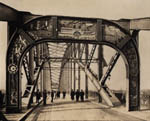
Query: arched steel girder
64, 62
45, 29
54, 53
56, 50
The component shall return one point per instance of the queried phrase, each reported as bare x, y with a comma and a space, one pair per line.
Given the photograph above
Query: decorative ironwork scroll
76, 29
41, 28
15, 51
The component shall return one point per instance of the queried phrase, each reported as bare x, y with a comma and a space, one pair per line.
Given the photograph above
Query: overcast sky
108, 9
112, 9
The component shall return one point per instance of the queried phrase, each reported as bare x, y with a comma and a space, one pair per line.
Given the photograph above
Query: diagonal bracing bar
35, 83
49, 63
110, 67
105, 92
27, 72
91, 55
81, 51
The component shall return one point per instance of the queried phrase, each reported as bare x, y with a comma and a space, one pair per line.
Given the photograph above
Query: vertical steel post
38, 60
86, 77
74, 68
31, 64
135, 35
41, 74
46, 74
100, 62
68, 75
100, 51
100, 65
79, 76
100, 48
71, 66
44, 66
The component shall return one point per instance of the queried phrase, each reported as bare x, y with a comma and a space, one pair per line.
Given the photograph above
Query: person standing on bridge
58, 94
52, 96
82, 95
72, 94
64, 94
38, 96
44, 96
77, 95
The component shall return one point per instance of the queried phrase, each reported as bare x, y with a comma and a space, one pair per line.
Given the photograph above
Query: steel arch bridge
62, 38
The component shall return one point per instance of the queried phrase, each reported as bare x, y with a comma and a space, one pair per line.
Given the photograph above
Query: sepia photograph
74, 60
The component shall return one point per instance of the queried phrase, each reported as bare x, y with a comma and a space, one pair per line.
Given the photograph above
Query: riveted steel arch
65, 29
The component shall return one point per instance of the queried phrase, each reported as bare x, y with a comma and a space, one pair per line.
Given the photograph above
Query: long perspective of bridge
59, 61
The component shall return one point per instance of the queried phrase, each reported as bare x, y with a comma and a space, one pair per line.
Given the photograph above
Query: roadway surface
65, 109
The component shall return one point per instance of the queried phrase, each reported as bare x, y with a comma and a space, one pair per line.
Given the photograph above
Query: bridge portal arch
76, 30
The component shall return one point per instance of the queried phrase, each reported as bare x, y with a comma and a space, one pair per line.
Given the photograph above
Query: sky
108, 9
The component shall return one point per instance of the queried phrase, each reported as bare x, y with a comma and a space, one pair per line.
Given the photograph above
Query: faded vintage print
74, 60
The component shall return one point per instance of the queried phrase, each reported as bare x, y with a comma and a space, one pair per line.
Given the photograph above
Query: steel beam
71, 65
31, 64
38, 60
12, 15
124, 23
74, 68
140, 24
41, 74
86, 77
134, 24
107, 95
46, 73
50, 69
111, 65
8, 13
100, 62
79, 76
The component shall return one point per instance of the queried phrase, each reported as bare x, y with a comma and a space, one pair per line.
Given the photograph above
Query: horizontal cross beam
10, 14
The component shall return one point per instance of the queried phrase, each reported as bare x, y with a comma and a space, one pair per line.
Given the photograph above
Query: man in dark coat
44, 96
64, 94
58, 94
38, 96
72, 94
77, 95
82, 95
52, 96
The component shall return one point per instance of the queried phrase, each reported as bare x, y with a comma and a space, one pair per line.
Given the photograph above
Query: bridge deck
65, 109
16, 116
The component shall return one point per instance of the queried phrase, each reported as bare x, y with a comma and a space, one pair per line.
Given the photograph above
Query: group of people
78, 94
53, 94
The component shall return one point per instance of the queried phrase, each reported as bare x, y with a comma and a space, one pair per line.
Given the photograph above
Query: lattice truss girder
61, 54
58, 54
55, 52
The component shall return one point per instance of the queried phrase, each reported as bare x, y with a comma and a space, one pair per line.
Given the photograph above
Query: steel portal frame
35, 29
